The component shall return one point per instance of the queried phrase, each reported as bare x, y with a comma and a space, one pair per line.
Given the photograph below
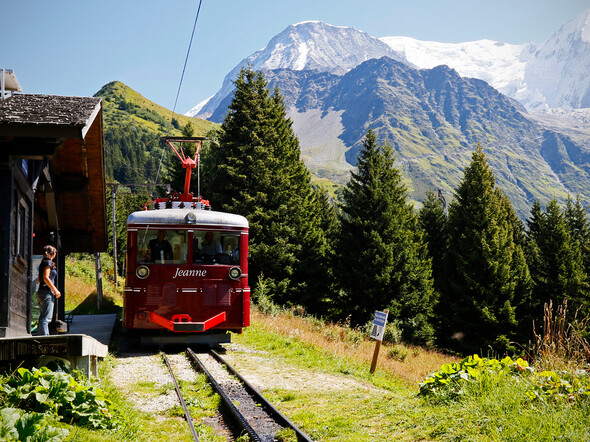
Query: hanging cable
187, 55
181, 78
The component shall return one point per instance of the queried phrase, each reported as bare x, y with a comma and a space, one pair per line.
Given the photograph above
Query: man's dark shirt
155, 248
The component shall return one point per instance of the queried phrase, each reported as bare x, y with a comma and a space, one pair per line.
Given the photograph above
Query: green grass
375, 407
497, 409
384, 409
116, 91
494, 409
170, 424
81, 294
296, 353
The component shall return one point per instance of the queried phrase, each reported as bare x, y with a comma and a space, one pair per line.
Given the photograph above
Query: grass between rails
169, 424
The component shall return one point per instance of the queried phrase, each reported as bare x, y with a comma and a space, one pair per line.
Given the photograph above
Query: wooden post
114, 195
98, 272
376, 352
375, 356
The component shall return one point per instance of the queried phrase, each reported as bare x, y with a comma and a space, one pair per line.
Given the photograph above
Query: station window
211, 247
20, 232
161, 246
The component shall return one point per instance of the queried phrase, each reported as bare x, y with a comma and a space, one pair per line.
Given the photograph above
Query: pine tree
383, 260
555, 260
257, 172
487, 276
433, 220
577, 221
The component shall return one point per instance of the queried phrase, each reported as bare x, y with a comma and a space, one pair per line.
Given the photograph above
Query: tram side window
161, 246
216, 247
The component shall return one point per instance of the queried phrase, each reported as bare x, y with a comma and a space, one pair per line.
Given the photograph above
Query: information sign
378, 329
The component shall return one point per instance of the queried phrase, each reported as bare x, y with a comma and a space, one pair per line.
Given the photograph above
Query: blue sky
74, 47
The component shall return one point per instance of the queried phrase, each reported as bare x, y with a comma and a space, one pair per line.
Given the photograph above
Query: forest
466, 275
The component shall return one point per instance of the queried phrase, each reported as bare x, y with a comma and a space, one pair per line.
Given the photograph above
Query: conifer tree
577, 221
256, 171
433, 219
383, 260
487, 276
555, 260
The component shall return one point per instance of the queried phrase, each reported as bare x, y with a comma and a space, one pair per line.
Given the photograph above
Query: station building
52, 184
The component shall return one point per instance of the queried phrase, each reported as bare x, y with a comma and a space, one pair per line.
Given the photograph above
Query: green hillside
133, 126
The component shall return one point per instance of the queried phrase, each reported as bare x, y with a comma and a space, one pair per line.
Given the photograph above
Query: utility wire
181, 78
187, 55
119, 157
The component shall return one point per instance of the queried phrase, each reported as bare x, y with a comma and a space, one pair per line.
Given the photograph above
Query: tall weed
562, 344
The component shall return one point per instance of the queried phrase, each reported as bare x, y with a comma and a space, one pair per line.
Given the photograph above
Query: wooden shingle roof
47, 115
68, 133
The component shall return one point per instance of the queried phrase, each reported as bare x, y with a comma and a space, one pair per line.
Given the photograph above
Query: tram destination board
378, 329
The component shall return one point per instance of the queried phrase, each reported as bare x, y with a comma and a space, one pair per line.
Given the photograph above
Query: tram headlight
235, 273
191, 218
142, 272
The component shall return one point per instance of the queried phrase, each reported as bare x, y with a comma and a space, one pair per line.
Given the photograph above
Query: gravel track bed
133, 375
264, 372
145, 380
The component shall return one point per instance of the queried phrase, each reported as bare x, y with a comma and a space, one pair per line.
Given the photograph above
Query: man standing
159, 249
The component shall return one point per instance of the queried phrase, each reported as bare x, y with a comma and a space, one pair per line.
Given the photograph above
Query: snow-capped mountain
434, 102
501, 65
553, 74
560, 68
310, 45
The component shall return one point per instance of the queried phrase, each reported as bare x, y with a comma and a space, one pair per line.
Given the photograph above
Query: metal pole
114, 191
198, 169
98, 272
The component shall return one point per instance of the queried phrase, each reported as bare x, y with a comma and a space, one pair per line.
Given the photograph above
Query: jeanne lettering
190, 272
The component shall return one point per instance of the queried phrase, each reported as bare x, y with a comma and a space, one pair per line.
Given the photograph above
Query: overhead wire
119, 157
187, 55
181, 78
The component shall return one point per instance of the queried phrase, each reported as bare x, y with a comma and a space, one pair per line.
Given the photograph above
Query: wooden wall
16, 239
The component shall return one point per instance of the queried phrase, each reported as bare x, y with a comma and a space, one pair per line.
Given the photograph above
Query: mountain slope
311, 45
133, 126
434, 118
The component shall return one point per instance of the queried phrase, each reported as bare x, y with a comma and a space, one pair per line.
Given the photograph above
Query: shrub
45, 391
397, 353
546, 386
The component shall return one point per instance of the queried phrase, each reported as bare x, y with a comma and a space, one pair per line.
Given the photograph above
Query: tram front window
161, 246
211, 247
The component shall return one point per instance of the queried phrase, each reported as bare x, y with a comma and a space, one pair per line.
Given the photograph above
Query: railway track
244, 407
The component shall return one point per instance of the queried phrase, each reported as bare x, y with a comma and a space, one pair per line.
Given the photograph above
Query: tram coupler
184, 323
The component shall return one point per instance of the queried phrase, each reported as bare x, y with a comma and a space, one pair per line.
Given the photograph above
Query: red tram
187, 269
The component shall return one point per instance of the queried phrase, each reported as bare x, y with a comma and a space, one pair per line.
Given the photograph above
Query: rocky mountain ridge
434, 116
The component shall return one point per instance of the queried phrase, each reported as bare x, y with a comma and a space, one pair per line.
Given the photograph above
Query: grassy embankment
383, 406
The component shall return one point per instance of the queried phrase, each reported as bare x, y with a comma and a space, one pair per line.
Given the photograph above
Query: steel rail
238, 417
187, 415
277, 415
